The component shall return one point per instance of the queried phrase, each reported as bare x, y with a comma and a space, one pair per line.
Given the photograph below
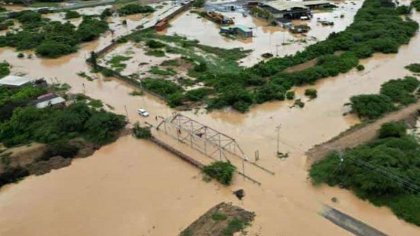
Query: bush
72, 14
221, 171
401, 90
141, 132
312, 93
360, 67
4, 69
415, 67
133, 8
53, 49
290, 95
155, 44
371, 106
392, 129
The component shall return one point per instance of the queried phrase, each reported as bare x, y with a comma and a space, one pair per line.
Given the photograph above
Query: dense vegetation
133, 8
4, 69
394, 93
51, 38
22, 123
415, 67
416, 4
376, 171
221, 171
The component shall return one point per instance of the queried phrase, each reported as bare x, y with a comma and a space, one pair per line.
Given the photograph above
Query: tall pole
126, 112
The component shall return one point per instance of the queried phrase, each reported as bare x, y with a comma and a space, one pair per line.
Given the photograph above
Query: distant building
14, 81
240, 30
285, 9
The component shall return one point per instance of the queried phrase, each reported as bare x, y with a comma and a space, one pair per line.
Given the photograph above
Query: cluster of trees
141, 132
377, 27
394, 93
72, 14
51, 38
134, 8
367, 170
49, 125
221, 171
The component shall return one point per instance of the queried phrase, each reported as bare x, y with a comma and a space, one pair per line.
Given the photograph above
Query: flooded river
133, 187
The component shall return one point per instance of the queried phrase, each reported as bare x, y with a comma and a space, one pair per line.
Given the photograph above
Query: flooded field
133, 187
267, 39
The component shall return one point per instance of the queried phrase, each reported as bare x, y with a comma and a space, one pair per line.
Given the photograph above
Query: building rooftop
243, 28
14, 80
50, 102
282, 5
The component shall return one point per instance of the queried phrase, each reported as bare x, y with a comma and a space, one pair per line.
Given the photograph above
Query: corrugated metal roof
14, 80
50, 102
282, 5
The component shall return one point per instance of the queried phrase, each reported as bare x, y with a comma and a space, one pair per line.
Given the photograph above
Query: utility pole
126, 112
278, 139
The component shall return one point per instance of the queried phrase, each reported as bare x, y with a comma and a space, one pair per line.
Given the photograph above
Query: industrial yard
208, 117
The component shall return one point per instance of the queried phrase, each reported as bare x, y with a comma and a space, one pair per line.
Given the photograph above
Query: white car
143, 112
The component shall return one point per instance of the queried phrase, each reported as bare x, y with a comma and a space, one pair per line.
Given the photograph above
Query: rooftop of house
14, 80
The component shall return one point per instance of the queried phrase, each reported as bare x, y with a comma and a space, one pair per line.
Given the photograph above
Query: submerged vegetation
51, 38
394, 93
221, 171
384, 171
134, 8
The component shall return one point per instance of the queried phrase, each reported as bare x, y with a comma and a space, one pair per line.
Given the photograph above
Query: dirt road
358, 135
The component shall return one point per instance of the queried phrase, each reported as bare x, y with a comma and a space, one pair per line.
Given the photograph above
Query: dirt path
358, 135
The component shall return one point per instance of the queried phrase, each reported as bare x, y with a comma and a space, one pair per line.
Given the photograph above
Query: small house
240, 30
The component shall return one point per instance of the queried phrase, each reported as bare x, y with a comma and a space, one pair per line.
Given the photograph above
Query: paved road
349, 223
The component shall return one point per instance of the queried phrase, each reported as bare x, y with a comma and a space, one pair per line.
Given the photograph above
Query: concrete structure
14, 81
240, 30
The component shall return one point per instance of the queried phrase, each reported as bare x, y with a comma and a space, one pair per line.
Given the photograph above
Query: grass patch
117, 64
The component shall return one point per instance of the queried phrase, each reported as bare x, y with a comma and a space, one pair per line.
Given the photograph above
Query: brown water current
133, 187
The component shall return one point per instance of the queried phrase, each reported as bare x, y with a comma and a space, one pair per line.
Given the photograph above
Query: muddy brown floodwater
133, 187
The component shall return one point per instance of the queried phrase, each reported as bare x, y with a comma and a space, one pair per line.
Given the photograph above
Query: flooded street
133, 187
267, 39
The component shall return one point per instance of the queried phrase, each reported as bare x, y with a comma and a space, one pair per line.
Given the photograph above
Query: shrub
221, 171
155, 44
133, 8
371, 106
360, 67
4, 69
141, 132
312, 93
401, 90
415, 67
290, 95
53, 49
72, 14
392, 129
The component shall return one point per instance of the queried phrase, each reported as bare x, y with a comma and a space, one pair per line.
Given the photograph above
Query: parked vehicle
143, 112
